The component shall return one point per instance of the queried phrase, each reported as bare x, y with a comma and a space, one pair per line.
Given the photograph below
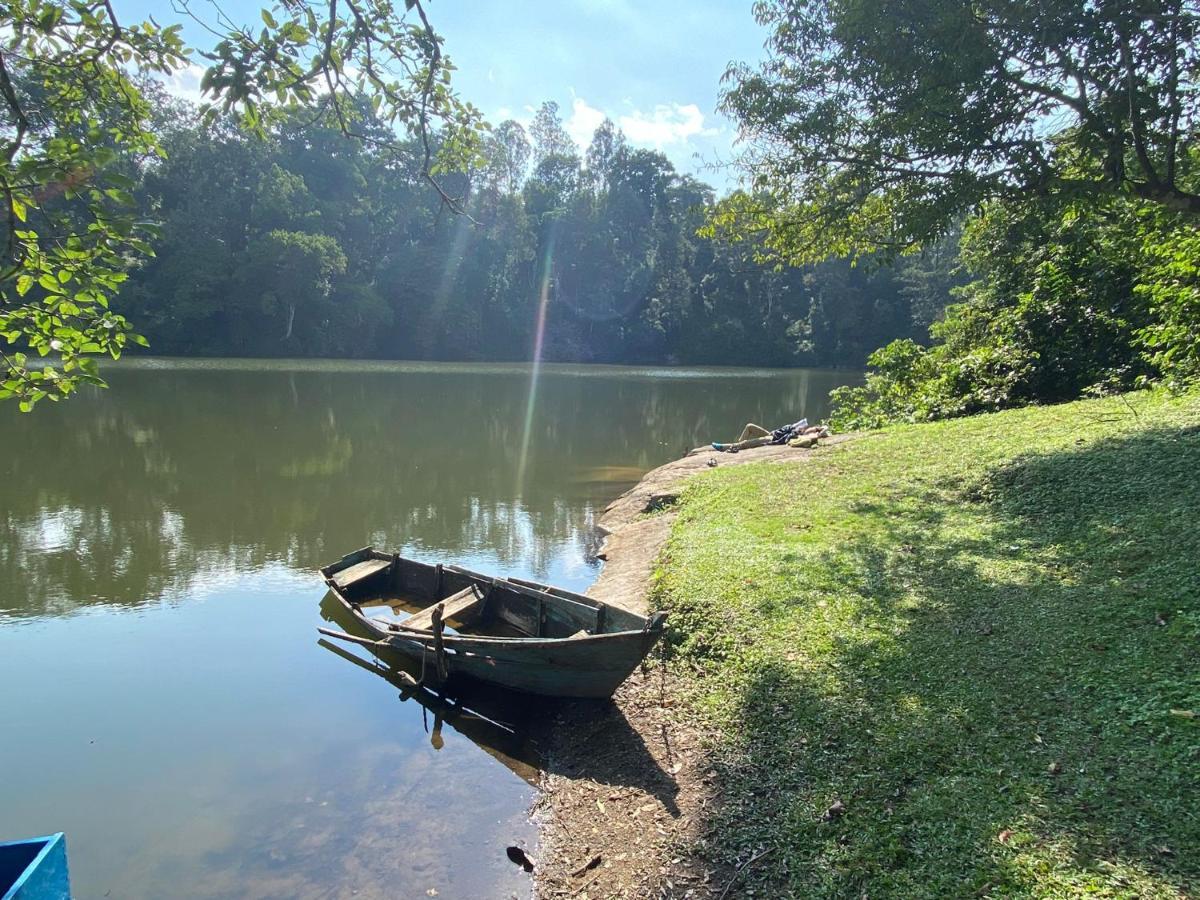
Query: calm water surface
163, 695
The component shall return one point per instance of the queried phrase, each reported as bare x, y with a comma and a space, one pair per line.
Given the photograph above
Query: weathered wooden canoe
512, 632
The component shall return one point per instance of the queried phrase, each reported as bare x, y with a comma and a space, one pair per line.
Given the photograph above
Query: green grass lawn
957, 659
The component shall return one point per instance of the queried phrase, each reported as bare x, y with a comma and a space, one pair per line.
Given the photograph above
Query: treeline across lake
308, 244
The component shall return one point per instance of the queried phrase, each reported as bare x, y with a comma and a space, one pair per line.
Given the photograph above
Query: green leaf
24, 283
18, 209
48, 18
123, 197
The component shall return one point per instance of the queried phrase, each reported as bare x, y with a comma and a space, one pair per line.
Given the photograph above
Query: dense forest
308, 244
1005, 203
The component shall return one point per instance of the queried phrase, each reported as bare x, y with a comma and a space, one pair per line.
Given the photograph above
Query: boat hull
35, 869
583, 665
593, 667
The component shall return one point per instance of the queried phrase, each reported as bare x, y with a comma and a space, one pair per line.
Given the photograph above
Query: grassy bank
955, 659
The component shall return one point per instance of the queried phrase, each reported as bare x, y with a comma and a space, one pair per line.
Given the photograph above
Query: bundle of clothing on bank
798, 434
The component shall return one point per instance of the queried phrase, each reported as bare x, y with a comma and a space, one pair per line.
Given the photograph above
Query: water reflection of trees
175, 476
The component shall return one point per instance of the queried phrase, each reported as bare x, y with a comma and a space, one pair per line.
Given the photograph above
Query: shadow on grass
998, 717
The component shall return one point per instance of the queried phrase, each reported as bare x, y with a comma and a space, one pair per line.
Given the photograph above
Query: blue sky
652, 67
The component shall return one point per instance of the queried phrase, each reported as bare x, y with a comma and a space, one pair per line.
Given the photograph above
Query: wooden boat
512, 632
35, 869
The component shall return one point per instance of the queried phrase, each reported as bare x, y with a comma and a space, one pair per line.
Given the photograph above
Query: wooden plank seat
359, 572
461, 608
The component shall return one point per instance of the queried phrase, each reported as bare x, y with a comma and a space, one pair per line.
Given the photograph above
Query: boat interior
395, 591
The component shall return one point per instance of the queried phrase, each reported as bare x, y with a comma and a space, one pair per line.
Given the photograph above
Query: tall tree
549, 136
873, 124
291, 270
608, 142
507, 150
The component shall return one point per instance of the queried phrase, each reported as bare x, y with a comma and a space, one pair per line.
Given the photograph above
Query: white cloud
583, 122
668, 124
185, 83
672, 123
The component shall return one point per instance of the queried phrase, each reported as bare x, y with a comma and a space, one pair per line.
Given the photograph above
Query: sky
654, 67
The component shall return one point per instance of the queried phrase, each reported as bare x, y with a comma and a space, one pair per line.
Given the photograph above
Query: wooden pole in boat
439, 648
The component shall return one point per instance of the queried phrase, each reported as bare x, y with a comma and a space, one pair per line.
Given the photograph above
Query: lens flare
458, 244
538, 342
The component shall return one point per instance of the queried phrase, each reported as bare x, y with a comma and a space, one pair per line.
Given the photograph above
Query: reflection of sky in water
165, 700
50, 530
211, 749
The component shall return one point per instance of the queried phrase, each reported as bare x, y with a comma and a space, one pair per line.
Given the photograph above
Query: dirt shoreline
626, 784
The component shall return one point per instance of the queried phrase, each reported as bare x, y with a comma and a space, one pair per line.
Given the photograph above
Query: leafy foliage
900, 387
1061, 134
873, 125
1171, 290
1066, 299
73, 119
77, 130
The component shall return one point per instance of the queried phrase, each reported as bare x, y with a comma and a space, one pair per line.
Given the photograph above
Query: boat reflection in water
494, 719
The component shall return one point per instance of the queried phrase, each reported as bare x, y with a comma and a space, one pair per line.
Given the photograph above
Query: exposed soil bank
627, 782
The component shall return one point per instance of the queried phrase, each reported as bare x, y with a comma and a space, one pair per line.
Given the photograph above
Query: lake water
163, 695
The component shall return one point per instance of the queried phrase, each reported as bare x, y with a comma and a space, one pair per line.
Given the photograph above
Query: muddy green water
163, 696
